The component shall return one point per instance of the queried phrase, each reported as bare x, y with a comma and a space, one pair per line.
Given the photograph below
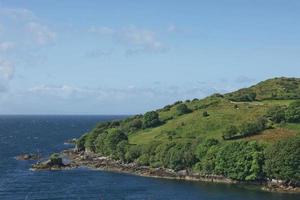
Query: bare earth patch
273, 135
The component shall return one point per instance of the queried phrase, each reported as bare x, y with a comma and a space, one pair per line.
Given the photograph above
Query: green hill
277, 88
234, 135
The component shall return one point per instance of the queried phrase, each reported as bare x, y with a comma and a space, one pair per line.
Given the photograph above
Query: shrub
283, 160
167, 108
151, 119
240, 161
136, 124
251, 128
133, 152
107, 142
293, 112
203, 147
80, 143
276, 114
182, 109
55, 159
230, 132
205, 114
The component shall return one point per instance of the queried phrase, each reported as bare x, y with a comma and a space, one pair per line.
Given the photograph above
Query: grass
195, 126
222, 113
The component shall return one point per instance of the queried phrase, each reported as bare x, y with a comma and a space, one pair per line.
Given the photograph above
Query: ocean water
47, 134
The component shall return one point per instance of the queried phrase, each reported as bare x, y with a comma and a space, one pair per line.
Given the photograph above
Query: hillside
277, 88
233, 135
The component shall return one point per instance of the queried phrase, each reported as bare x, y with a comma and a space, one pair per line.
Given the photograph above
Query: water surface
19, 134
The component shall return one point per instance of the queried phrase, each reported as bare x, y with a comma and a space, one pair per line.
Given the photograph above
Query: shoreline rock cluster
28, 156
71, 159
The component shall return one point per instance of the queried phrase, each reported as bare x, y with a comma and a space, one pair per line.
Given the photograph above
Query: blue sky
126, 57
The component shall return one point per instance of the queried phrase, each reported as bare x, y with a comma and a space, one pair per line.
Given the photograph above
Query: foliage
176, 138
151, 119
277, 88
251, 128
293, 112
205, 114
230, 132
182, 109
276, 114
240, 161
55, 159
133, 152
283, 160
80, 143
108, 141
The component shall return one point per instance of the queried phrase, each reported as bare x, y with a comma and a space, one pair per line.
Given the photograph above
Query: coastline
73, 159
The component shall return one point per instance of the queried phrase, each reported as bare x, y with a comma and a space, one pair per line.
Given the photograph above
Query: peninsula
248, 136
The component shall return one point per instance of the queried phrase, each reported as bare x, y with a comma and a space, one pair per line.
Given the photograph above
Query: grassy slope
222, 113
277, 88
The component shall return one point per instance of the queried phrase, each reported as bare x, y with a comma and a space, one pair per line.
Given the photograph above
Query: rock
28, 156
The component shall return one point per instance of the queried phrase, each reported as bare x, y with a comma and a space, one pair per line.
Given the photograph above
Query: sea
47, 134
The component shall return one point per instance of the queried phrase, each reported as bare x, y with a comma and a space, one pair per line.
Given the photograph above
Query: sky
129, 57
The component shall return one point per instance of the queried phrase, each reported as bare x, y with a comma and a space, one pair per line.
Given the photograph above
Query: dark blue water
19, 134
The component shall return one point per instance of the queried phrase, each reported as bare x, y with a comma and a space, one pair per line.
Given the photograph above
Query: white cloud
6, 70
42, 34
135, 39
61, 91
6, 46
172, 28
101, 30
6, 74
141, 40
17, 13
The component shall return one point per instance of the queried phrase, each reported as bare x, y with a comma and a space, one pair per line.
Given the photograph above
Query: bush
240, 161
230, 132
283, 160
293, 112
205, 114
107, 142
167, 108
151, 119
180, 156
182, 109
276, 114
203, 147
133, 152
252, 128
55, 159
80, 143
136, 124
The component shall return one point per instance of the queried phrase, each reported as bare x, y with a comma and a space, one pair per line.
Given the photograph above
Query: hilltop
249, 135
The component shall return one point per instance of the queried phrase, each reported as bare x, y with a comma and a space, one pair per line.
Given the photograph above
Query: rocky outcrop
94, 161
28, 156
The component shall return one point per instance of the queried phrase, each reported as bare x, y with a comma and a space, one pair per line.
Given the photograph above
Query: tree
293, 112
203, 147
112, 139
283, 160
151, 119
240, 161
133, 152
107, 142
136, 124
182, 109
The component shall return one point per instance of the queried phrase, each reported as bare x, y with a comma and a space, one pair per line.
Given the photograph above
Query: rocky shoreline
73, 159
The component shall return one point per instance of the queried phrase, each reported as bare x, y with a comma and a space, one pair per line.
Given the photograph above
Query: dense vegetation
233, 135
